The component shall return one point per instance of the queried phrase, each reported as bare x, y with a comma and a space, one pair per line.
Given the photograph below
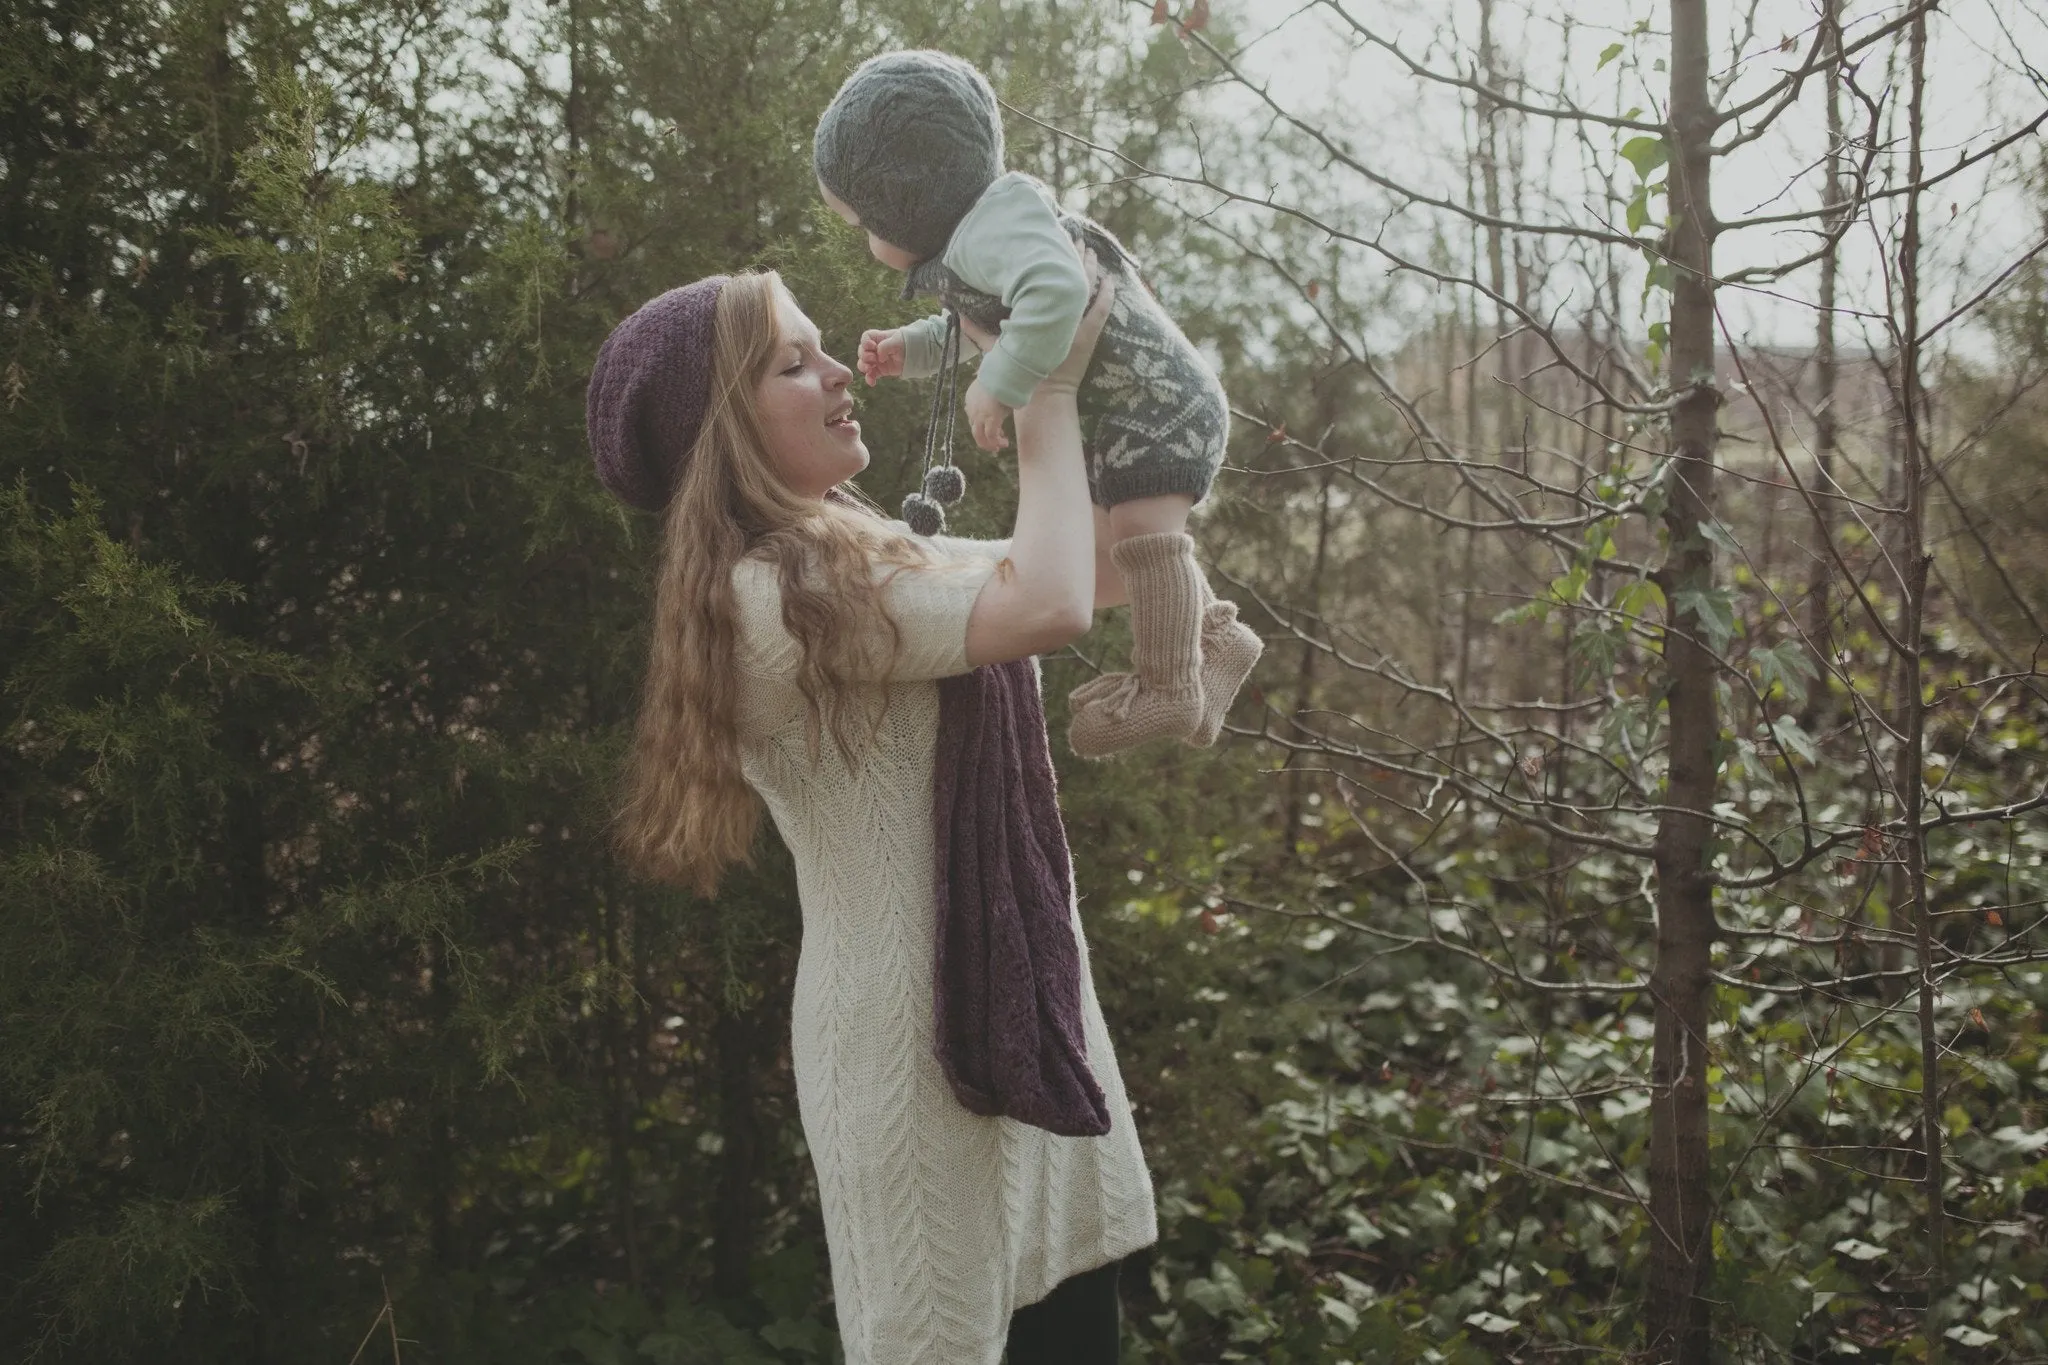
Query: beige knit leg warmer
1161, 697
1229, 649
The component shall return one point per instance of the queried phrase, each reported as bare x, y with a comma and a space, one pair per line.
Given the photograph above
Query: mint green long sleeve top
1011, 245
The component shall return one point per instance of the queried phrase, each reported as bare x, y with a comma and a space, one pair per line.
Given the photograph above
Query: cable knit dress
939, 1222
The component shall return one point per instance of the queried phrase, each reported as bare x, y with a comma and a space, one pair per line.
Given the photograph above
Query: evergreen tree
320, 982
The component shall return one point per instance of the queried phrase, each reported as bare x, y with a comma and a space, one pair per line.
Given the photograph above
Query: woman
799, 647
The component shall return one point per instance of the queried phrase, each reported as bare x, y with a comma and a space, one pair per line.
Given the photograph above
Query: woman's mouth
844, 422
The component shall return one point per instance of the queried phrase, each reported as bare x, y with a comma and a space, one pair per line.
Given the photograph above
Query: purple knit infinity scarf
1006, 997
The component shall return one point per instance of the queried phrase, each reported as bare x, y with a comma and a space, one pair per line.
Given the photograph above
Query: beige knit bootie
1229, 649
1161, 697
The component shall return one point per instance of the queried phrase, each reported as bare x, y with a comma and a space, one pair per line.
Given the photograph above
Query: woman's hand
1067, 378
1047, 601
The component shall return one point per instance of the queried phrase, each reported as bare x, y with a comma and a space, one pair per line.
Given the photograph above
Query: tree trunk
1681, 1244
572, 123
616, 948
1468, 539
440, 1160
1489, 173
1906, 774
737, 1036
1821, 570
1298, 783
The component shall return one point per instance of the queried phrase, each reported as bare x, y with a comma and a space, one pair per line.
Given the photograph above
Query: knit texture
1007, 999
939, 1222
909, 143
1161, 697
648, 392
1154, 417
1229, 649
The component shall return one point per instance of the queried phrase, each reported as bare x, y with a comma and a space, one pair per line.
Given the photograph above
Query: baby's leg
1109, 581
1164, 514
1152, 459
1225, 649
1161, 697
1143, 516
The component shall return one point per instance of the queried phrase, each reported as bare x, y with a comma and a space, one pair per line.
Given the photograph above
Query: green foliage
319, 647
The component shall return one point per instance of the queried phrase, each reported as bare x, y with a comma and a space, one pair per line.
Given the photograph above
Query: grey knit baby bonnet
909, 143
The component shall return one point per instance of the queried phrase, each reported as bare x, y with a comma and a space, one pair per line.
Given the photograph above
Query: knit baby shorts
1154, 419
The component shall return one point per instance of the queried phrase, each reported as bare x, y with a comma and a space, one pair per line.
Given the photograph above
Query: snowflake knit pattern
1154, 414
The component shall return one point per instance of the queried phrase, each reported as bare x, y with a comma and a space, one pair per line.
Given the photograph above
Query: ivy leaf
1639, 598
1598, 541
1608, 54
1789, 735
1645, 153
1597, 649
1569, 586
1656, 495
1717, 534
1713, 609
1785, 665
1660, 337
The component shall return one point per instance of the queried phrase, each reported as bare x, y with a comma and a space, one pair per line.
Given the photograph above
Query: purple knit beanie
648, 392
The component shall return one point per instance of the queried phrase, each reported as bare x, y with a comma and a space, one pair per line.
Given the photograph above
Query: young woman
799, 647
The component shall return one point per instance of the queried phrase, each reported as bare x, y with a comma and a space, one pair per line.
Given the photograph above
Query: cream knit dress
939, 1222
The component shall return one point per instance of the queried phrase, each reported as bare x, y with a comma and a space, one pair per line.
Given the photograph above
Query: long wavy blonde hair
687, 814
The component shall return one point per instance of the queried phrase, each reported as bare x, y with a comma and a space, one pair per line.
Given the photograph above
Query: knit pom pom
945, 484
926, 517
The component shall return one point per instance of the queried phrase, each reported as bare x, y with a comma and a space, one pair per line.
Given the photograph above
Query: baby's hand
881, 354
986, 414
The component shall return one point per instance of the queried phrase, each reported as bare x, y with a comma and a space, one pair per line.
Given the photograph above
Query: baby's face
888, 253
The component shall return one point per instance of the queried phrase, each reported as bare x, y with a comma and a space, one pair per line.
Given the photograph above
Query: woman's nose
837, 376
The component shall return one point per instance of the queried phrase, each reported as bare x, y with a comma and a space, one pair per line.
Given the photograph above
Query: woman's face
806, 408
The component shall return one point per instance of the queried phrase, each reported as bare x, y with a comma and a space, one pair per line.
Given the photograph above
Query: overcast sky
1985, 79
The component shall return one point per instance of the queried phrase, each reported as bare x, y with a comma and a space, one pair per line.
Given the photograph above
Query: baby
911, 151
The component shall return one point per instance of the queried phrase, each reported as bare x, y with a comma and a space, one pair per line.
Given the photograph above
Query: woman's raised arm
1043, 598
